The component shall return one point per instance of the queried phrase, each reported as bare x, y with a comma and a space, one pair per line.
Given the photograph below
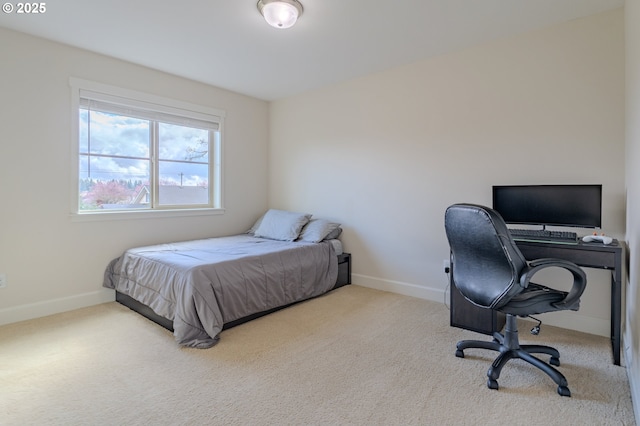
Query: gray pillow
334, 234
281, 225
255, 226
318, 229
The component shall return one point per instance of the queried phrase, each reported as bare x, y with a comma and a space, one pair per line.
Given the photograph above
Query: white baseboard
55, 306
406, 289
575, 321
633, 384
568, 320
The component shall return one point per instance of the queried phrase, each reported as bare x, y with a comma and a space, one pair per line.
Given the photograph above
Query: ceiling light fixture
280, 13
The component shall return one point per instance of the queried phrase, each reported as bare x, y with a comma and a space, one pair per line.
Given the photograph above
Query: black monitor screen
559, 205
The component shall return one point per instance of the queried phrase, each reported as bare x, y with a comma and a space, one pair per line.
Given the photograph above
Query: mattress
200, 285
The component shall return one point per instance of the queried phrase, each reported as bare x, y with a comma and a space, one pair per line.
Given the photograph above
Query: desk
589, 255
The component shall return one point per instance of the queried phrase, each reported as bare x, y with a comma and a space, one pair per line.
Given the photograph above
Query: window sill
146, 214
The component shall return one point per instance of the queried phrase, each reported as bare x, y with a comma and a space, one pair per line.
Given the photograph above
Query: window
138, 153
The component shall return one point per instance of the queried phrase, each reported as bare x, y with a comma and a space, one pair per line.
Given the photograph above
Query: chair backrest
486, 261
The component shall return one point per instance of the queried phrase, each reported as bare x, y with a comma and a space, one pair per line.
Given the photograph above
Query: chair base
510, 348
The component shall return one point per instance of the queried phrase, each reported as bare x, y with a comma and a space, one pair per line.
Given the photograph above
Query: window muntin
138, 156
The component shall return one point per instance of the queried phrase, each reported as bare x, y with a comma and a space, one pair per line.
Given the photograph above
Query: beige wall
52, 263
632, 331
387, 153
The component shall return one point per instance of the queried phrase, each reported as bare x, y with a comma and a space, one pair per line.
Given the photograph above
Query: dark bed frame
344, 278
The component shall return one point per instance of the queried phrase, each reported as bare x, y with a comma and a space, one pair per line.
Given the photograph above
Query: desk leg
616, 313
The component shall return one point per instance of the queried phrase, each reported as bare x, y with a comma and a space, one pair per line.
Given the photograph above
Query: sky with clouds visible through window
116, 135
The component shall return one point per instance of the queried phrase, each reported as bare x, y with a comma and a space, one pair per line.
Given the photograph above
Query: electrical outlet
3, 280
446, 266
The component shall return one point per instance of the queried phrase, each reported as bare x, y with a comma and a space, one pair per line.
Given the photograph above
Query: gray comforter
201, 285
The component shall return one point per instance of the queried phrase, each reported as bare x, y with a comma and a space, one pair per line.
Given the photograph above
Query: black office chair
490, 271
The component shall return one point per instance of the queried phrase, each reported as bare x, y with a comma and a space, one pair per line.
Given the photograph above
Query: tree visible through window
133, 158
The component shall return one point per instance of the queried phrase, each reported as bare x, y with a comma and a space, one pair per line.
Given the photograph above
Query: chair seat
535, 299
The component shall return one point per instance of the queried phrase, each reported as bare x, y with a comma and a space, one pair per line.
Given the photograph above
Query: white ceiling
226, 43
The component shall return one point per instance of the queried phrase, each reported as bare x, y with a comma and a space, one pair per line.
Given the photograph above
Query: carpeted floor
356, 356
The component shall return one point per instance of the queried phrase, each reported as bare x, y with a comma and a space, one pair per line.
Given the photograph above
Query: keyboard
566, 237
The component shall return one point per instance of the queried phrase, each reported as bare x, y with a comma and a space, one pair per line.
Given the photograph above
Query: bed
198, 288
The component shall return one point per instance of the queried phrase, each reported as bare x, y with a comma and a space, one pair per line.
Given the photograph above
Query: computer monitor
553, 205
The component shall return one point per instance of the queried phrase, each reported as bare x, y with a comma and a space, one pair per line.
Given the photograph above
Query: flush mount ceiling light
280, 13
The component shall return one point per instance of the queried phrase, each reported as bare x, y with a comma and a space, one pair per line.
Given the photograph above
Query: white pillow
317, 230
281, 225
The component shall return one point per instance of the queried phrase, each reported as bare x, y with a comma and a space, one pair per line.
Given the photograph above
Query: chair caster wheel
564, 391
554, 361
493, 384
459, 353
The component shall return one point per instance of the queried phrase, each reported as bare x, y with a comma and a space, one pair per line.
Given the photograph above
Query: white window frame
82, 88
